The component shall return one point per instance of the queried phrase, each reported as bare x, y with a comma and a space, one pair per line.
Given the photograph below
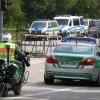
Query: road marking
45, 91
93, 99
86, 91
60, 90
73, 89
19, 97
27, 96
49, 91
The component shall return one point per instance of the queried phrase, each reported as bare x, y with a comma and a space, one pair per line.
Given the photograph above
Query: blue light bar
80, 39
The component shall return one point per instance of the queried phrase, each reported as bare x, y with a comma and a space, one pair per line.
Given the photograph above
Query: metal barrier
38, 45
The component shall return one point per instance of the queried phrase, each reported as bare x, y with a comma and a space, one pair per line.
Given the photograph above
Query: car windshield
74, 49
62, 21
39, 25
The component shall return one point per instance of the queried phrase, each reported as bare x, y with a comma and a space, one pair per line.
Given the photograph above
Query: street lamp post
1, 22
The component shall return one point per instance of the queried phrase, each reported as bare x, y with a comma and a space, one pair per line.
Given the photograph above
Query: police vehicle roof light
80, 39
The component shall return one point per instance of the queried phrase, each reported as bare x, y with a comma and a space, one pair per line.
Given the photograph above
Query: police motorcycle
11, 78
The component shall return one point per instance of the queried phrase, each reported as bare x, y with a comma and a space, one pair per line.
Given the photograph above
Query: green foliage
14, 16
21, 12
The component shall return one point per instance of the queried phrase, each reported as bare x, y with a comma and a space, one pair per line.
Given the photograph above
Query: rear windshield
74, 49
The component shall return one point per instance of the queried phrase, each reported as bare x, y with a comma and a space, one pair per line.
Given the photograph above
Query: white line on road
19, 97
45, 92
63, 90
86, 91
27, 96
93, 99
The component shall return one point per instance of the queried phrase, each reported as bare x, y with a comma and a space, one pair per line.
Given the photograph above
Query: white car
92, 26
75, 59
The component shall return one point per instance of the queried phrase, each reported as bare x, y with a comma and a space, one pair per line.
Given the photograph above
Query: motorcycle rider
14, 51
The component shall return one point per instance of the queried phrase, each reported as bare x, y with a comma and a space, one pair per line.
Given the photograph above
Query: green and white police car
76, 58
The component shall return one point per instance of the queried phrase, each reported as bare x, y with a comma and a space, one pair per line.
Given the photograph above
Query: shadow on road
68, 83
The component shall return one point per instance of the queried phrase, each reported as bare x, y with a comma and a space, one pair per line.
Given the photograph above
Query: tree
33, 9
86, 8
14, 17
21, 12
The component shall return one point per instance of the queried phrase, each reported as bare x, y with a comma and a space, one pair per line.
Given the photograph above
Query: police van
69, 24
44, 27
92, 26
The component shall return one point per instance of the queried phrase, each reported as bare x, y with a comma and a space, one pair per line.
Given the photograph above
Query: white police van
92, 25
70, 24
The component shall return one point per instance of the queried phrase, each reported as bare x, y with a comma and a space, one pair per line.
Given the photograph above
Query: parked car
45, 27
77, 59
92, 26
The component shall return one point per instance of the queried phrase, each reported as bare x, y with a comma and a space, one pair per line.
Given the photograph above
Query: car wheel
48, 80
98, 80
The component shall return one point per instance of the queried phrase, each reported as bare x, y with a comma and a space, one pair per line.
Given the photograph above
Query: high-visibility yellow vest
3, 50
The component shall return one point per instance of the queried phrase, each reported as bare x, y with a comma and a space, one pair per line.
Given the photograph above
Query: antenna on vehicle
76, 41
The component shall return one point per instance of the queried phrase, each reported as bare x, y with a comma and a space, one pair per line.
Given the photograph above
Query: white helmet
6, 37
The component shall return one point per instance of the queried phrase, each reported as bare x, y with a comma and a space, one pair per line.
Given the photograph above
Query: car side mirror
98, 54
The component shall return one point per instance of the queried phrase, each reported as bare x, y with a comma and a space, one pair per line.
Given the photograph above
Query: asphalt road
35, 89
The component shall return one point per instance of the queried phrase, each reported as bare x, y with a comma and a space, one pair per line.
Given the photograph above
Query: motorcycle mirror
26, 53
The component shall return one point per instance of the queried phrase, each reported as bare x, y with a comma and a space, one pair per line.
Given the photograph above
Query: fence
37, 45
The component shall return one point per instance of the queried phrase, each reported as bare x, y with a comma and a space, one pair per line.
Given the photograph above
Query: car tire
48, 80
98, 80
